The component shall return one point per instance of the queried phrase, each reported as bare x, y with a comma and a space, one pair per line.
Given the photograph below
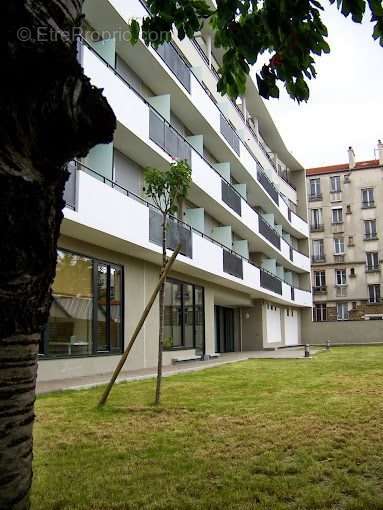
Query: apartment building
345, 211
242, 279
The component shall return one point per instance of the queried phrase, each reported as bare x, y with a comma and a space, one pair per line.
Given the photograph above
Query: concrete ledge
180, 359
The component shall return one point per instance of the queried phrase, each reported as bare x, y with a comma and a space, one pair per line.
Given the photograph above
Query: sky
346, 99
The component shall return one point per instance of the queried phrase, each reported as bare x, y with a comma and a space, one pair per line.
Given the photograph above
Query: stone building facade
346, 223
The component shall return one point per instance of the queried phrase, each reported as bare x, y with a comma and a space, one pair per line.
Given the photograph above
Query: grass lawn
259, 434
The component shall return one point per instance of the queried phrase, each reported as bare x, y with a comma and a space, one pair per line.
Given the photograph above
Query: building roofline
344, 167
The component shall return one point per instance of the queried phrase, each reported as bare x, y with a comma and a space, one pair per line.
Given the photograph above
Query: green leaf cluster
290, 31
167, 188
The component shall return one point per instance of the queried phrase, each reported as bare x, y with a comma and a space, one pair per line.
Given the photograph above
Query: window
372, 260
368, 197
339, 246
340, 277
320, 312
335, 184
374, 293
316, 218
318, 249
315, 188
341, 311
370, 229
337, 215
319, 279
86, 312
184, 316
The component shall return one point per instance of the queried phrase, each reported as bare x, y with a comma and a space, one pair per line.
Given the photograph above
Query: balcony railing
229, 134
268, 280
232, 264
167, 138
368, 205
320, 289
257, 139
315, 196
177, 233
318, 258
372, 269
317, 227
269, 233
370, 236
271, 282
268, 185
176, 63
231, 197
70, 186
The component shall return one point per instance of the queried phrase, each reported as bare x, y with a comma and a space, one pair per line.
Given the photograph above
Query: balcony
177, 233
229, 134
231, 197
368, 205
268, 185
315, 197
103, 211
316, 227
167, 138
150, 125
266, 153
370, 236
271, 282
269, 233
316, 259
373, 269
232, 264
70, 187
172, 58
322, 289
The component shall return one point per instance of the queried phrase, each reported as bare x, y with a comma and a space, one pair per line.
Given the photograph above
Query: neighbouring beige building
346, 219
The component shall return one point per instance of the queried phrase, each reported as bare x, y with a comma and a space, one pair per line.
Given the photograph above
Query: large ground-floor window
184, 316
86, 312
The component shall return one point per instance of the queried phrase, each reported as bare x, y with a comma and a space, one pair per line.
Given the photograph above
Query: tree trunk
162, 316
50, 114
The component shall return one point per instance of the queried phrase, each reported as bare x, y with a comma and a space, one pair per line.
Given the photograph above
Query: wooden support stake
136, 332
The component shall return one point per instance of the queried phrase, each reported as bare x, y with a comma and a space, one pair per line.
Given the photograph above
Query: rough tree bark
162, 315
49, 113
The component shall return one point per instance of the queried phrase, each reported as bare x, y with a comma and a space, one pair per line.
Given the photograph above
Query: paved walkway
78, 383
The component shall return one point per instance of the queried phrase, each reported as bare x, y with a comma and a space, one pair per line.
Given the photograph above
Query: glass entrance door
224, 329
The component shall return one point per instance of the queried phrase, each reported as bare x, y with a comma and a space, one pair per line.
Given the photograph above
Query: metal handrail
80, 166
239, 111
215, 73
115, 71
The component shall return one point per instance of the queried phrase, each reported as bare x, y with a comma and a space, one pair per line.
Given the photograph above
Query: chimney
380, 152
351, 158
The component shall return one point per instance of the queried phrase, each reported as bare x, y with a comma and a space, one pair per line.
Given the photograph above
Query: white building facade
242, 280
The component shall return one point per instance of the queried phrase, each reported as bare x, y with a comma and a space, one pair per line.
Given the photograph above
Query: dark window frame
43, 349
182, 347
375, 294
320, 278
322, 309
